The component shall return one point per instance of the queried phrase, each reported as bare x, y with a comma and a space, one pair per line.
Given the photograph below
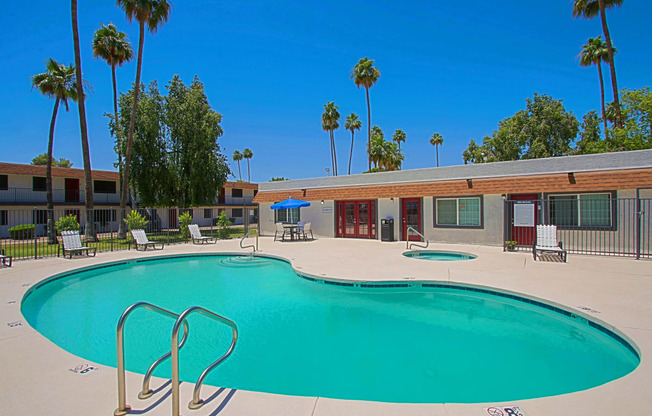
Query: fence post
35, 237
111, 216
169, 225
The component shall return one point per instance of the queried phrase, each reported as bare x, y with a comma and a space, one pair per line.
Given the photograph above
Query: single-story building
594, 196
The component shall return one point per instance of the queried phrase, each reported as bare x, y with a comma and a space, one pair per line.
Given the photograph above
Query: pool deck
37, 377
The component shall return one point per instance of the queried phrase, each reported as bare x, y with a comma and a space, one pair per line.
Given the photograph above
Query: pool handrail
123, 407
407, 239
196, 402
247, 235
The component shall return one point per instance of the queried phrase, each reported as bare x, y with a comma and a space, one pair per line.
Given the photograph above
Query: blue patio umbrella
290, 203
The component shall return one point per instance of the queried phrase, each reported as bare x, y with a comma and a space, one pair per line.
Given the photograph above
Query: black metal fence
24, 232
586, 223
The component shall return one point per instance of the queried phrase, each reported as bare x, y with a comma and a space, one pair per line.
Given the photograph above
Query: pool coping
589, 401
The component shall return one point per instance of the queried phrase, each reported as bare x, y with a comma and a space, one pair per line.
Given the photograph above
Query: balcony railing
59, 196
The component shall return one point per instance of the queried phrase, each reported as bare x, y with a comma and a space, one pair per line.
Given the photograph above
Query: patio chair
305, 230
140, 239
280, 231
195, 234
5, 258
547, 242
71, 243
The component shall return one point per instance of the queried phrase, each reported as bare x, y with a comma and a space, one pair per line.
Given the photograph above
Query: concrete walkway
37, 377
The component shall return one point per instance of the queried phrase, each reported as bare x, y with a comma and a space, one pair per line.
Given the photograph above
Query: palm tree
365, 74
58, 83
248, 154
114, 47
436, 140
86, 153
595, 52
399, 136
330, 123
352, 124
589, 9
237, 156
376, 147
153, 13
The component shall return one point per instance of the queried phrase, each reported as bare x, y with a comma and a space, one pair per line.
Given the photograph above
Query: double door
356, 219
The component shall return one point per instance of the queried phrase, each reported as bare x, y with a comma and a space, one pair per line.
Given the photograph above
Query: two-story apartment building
23, 199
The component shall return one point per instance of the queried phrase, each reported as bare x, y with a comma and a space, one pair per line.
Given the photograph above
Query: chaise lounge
547, 242
141, 240
71, 243
4, 258
196, 235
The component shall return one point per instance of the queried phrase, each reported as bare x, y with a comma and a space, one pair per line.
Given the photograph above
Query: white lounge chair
195, 234
71, 243
280, 232
140, 239
547, 242
5, 258
303, 231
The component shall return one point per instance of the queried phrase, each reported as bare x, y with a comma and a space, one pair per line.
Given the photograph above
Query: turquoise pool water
410, 342
439, 255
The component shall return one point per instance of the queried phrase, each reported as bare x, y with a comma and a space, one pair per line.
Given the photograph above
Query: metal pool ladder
407, 239
255, 247
196, 403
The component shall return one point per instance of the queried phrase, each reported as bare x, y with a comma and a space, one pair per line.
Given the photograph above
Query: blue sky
456, 68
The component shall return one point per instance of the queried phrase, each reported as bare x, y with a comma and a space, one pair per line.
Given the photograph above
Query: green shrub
135, 221
184, 221
22, 232
223, 222
67, 223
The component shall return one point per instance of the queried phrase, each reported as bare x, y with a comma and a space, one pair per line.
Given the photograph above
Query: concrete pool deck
37, 377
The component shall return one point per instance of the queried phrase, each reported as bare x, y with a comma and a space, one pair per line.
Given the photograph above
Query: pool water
438, 255
305, 337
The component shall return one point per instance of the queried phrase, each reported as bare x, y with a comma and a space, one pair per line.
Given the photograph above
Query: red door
356, 219
71, 190
524, 218
172, 218
411, 217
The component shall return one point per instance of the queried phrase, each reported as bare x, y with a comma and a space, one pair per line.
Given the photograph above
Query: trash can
387, 229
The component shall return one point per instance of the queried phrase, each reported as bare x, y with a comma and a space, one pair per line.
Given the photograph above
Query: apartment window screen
236, 212
236, 193
287, 215
458, 212
4, 183
3, 217
104, 187
38, 184
208, 212
581, 210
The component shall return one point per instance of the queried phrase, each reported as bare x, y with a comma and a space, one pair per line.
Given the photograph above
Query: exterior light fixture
469, 183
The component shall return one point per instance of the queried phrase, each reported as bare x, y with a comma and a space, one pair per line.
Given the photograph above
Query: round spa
408, 342
439, 255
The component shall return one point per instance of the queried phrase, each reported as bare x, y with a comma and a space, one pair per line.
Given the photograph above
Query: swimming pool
404, 342
439, 255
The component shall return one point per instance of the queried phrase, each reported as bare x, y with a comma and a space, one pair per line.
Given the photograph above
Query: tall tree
589, 9
330, 123
42, 160
594, 52
248, 154
237, 156
352, 123
399, 137
365, 74
86, 153
113, 46
153, 13
57, 82
376, 148
436, 140
590, 136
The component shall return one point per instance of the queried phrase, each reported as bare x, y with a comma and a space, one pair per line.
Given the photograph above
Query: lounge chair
547, 242
303, 231
196, 235
140, 239
4, 258
71, 243
280, 231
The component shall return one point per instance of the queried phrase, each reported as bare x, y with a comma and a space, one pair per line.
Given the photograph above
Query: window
236, 193
4, 183
104, 187
3, 217
38, 184
41, 216
208, 212
581, 210
236, 212
287, 215
103, 216
458, 212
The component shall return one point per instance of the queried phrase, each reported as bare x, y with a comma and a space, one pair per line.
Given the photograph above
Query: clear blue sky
456, 68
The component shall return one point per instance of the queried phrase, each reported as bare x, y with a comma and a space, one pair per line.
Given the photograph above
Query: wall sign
523, 214
326, 210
